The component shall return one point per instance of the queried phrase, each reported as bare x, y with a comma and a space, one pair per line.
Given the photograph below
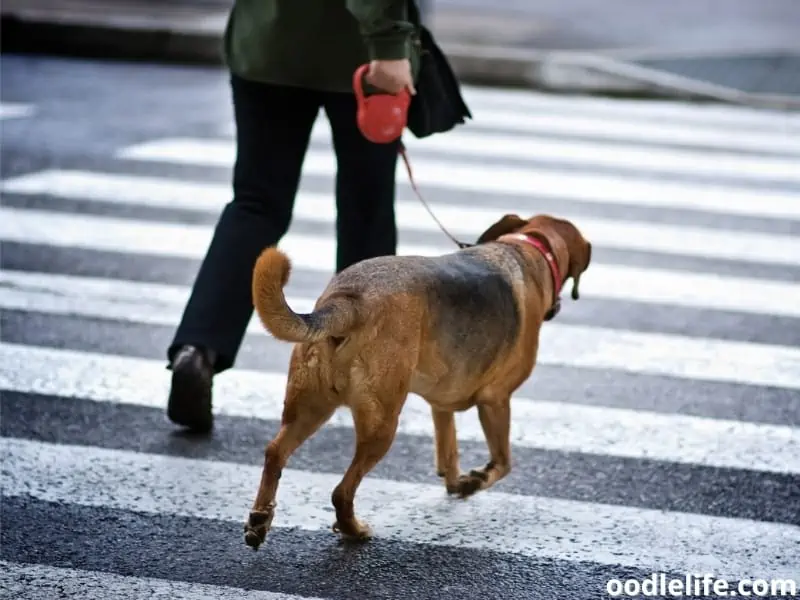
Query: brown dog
460, 330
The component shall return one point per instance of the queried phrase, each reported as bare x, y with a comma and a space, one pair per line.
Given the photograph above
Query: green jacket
316, 44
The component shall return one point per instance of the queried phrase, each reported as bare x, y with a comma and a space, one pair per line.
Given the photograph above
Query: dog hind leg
375, 419
304, 412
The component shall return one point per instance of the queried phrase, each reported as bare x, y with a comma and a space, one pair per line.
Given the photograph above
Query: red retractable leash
381, 118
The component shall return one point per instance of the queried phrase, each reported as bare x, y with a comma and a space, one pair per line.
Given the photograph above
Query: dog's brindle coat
460, 330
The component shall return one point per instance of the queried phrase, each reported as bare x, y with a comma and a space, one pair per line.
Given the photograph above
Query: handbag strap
413, 13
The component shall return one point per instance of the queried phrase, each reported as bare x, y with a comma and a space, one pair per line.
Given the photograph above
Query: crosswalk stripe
667, 111
771, 136
621, 128
465, 221
158, 303
15, 110
575, 346
542, 424
133, 301
315, 254
510, 180
35, 582
675, 161
525, 526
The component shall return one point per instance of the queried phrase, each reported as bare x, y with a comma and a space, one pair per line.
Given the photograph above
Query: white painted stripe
541, 424
313, 253
413, 513
13, 110
672, 161
775, 136
778, 135
484, 99
465, 221
567, 345
563, 345
632, 131
38, 582
117, 299
598, 189
161, 304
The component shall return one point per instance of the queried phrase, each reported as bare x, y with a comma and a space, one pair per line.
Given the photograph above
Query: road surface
660, 432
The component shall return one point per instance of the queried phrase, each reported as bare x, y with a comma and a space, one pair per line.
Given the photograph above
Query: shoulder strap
413, 13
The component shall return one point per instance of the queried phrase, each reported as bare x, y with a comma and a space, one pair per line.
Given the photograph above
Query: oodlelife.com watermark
700, 586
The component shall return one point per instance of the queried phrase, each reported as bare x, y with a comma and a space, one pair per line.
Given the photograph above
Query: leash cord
404, 156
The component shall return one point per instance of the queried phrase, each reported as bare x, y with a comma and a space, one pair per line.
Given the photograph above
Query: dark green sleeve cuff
394, 48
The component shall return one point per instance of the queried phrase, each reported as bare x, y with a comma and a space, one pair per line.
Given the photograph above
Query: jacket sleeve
385, 26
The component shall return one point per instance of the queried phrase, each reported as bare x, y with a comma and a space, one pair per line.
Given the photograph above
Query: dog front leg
300, 420
495, 420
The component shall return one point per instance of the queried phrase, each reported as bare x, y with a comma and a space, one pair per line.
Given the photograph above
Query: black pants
273, 127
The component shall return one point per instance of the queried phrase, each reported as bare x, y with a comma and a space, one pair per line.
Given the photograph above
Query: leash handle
381, 117
358, 84
404, 156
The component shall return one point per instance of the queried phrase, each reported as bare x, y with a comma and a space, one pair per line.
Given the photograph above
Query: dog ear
507, 224
577, 266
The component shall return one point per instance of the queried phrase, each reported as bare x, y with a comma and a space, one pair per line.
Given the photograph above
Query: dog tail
335, 318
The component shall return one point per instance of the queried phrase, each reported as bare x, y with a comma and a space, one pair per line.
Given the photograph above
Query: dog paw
468, 484
353, 530
257, 526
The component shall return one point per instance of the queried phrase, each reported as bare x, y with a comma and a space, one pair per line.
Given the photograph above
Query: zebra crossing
660, 432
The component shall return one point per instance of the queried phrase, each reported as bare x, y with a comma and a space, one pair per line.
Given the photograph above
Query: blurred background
616, 46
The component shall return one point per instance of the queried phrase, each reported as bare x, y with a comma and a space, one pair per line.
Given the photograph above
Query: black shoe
190, 397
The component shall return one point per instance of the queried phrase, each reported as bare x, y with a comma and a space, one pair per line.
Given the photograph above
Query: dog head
573, 252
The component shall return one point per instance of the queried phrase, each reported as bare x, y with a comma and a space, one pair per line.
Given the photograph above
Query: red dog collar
380, 117
551, 262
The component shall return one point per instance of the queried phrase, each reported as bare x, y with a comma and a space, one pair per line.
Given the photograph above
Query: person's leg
365, 187
273, 127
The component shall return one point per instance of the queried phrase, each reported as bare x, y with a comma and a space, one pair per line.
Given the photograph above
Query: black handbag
438, 105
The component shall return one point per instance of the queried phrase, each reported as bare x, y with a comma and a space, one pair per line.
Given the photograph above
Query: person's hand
391, 75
